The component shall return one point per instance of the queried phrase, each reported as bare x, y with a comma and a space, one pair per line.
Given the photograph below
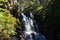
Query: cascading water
30, 32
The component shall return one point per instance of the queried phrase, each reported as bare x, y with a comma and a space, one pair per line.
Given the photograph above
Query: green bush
7, 25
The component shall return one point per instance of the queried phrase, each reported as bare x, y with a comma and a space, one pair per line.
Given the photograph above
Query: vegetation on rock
8, 24
46, 11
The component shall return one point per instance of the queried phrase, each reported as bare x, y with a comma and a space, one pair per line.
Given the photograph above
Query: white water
30, 31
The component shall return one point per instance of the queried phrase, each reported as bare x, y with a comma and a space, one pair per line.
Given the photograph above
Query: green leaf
40, 7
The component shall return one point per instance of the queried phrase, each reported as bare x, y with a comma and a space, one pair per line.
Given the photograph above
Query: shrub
7, 25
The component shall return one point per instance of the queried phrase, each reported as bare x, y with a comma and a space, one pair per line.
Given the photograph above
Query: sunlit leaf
40, 7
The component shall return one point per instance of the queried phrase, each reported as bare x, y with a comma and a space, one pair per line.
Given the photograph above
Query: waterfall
30, 32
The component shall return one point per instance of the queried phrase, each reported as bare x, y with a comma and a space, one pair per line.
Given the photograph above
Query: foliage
47, 11
2, 0
7, 24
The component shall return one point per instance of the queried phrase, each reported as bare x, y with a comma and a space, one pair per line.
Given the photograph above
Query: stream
31, 30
